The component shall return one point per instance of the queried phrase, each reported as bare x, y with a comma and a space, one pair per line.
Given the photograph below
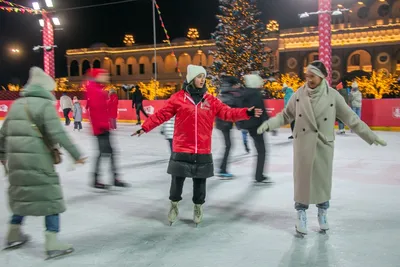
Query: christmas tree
238, 37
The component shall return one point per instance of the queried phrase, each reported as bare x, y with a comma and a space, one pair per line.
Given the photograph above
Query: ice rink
244, 225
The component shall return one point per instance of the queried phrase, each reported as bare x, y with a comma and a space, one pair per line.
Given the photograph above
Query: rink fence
379, 114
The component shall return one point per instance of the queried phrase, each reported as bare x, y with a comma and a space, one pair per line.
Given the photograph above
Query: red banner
378, 113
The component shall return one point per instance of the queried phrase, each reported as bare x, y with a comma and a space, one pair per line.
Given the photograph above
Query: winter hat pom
193, 71
354, 85
39, 78
284, 85
253, 81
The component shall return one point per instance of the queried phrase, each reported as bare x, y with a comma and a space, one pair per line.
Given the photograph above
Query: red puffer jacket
97, 104
193, 123
113, 106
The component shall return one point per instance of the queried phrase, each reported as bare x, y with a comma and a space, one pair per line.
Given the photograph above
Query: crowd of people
188, 120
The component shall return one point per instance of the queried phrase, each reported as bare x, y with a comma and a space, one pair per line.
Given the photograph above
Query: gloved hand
380, 142
263, 127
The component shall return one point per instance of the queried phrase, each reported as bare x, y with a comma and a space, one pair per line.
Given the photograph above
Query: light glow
49, 3
56, 21
36, 6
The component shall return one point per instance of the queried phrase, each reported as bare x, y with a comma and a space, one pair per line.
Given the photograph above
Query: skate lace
197, 211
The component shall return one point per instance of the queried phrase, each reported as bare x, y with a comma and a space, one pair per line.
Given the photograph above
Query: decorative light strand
168, 38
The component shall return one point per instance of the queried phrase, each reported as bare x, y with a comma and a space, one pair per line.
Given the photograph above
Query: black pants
170, 144
78, 125
261, 153
228, 145
66, 112
139, 107
105, 150
292, 125
199, 190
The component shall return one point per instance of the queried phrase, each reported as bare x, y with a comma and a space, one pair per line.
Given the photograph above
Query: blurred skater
77, 113
113, 108
99, 117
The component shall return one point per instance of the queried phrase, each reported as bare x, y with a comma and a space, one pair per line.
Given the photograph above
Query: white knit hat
354, 85
253, 81
39, 78
284, 85
193, 71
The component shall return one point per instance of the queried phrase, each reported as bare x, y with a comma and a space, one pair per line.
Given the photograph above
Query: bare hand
138, 133
81, 161
257, 111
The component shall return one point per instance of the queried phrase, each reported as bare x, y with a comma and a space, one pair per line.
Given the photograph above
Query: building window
355, 60
118, 70
130, 69
154, 68
141, 68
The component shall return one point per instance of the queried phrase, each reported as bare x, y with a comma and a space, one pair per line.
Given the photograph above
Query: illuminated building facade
366, 38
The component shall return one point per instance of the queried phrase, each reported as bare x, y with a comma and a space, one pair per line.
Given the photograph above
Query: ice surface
243, 226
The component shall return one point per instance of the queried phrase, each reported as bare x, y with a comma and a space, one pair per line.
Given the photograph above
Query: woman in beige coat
315, 106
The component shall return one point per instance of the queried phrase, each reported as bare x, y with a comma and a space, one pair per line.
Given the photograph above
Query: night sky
84, 27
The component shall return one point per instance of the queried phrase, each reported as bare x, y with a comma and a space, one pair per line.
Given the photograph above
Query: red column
48, 40
324, 32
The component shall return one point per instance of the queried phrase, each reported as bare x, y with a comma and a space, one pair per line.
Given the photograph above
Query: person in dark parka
137, 102
229, 95
253, 97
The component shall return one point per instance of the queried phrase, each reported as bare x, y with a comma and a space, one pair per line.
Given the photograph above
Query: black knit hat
232, 80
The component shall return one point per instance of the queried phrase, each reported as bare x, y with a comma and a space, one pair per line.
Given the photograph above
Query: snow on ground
244, 225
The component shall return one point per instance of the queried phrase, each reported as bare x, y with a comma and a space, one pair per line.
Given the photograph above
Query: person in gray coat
77, 112
315, 106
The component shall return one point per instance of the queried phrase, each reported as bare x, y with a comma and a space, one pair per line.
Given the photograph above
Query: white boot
197, 214
55, 248
322, 219
173, 212
301, 224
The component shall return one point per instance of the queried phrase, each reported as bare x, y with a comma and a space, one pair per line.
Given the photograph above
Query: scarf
196, 93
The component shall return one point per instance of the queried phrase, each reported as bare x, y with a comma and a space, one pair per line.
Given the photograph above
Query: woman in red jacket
113, 108
195, 112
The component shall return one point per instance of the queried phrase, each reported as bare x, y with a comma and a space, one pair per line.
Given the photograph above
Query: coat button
331, 105
316, 131
325, 119
299, 115
304, 130
297, 100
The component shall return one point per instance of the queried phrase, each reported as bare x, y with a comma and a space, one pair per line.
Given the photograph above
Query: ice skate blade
58, 253
299, 234
263, 183
15, 245
323, 232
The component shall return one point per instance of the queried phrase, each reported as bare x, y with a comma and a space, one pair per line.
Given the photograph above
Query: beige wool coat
314, 137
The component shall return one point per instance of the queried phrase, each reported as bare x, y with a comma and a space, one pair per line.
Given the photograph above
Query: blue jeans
52, 222
299, 206
245, 136
341, 125
357, 111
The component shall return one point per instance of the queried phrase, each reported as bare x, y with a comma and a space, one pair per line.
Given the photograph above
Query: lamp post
324, 32
48, 37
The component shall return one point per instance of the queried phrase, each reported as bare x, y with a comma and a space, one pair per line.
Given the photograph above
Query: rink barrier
379, 114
